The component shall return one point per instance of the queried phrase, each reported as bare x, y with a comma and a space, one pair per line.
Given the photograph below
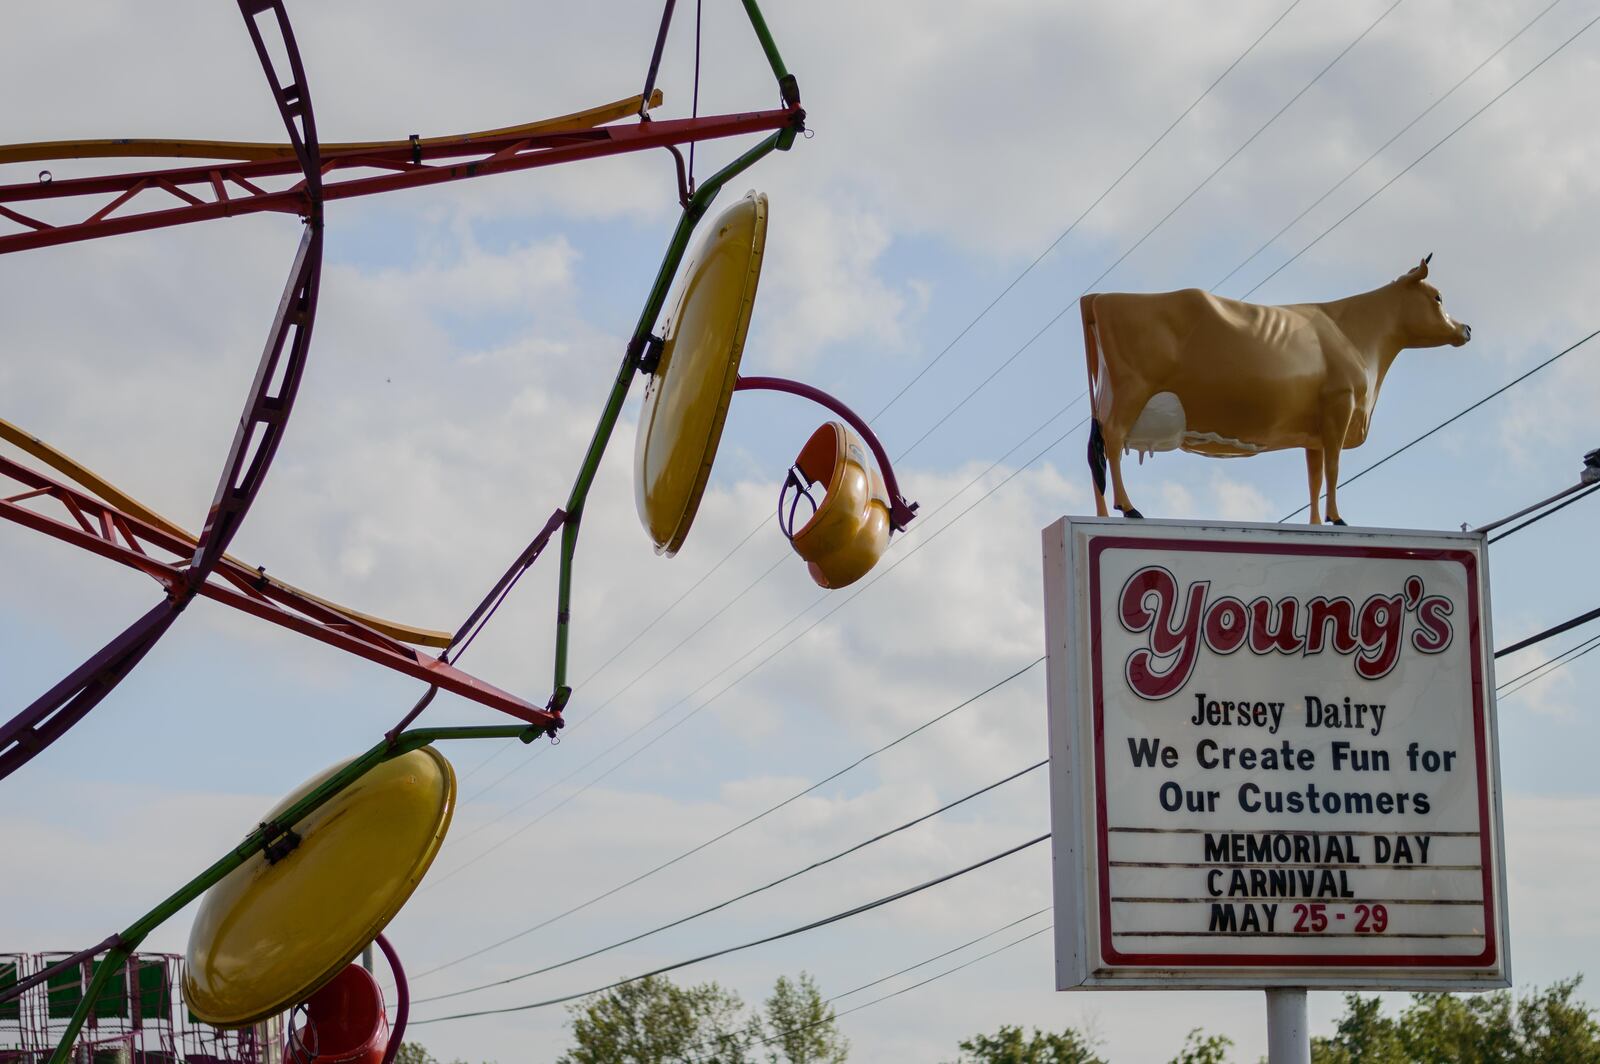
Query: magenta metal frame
901, 511
256, 440
402, 1000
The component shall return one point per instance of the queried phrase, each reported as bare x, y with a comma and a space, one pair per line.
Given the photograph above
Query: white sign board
1273, 757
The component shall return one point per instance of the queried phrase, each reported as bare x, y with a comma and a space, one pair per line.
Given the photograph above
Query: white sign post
1273, 760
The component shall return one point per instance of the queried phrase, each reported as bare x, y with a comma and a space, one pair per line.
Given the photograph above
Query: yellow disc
268, 935
686, 400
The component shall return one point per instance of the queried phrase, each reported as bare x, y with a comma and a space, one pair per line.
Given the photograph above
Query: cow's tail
1097, 465
1097, 441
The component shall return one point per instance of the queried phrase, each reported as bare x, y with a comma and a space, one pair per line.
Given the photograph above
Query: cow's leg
1116, 437
1314, 478
1127, 402
1336, 413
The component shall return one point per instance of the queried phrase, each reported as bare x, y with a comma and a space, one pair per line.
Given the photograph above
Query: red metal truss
226, 189
104, 530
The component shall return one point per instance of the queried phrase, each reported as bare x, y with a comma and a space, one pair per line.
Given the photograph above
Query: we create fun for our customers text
1372, 634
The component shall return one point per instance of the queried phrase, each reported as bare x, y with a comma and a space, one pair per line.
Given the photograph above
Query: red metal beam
477, 158
237, 586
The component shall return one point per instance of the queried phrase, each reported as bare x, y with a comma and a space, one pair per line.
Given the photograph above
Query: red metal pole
124, 538
477, 158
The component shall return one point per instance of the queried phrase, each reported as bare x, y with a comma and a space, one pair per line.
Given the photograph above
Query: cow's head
1423, 319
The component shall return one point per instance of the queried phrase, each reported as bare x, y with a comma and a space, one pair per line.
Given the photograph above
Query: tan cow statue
1219, 377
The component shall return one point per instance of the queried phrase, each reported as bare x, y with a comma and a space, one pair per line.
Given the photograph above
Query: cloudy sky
468, 333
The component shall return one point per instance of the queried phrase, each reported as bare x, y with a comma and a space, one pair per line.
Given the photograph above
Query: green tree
1364, 1035
1543, 1027
412, 1053
1010, 1045
655, 1021
1202, 1048
799, 1026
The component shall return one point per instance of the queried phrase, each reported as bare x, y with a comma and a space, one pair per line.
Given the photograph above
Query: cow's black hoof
1337, 521
1131, 512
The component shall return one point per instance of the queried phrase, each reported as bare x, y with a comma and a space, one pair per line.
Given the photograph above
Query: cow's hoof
1337, 521
1131, 512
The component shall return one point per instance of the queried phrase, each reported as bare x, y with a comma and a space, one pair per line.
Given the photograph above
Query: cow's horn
1428, 258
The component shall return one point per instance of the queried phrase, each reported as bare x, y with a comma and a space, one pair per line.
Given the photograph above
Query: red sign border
1109, 955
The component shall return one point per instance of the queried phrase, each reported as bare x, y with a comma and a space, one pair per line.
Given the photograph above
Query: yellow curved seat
686, 399
270, 934
849, 532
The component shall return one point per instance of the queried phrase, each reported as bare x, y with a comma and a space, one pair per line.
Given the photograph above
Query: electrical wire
1436, 146
650, 625
1424, 113
832, 1017
1505, 690
1086, 211
813, 866
970, 395
919, 985
879, 576
1536, 518
1554, 630
970, 325
769, 637
1452, 419
814, 925
857, 763
818, 600
1036, 336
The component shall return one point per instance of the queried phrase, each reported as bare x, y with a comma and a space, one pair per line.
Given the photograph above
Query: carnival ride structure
286, 911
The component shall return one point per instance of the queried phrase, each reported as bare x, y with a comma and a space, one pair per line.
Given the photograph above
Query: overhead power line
1452, 419
769, 1038
1086, 211
1536, 518
881, 574
1554, 630
810, 789
813, 866
1435, 147
853, 595
941, 975
818, 600
814, 925
1424, 113
1565, 658
972, 393
650, 625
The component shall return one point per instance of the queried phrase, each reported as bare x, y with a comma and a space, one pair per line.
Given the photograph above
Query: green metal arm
699, 203
128, 941
787, 85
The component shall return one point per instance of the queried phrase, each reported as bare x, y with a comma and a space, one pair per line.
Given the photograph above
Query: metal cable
1536, 518
1424, 113
1457, 416
813, 866
1085, 212
814, 925
1436, 145
948, 414
753, 649
857, 763
880, 575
